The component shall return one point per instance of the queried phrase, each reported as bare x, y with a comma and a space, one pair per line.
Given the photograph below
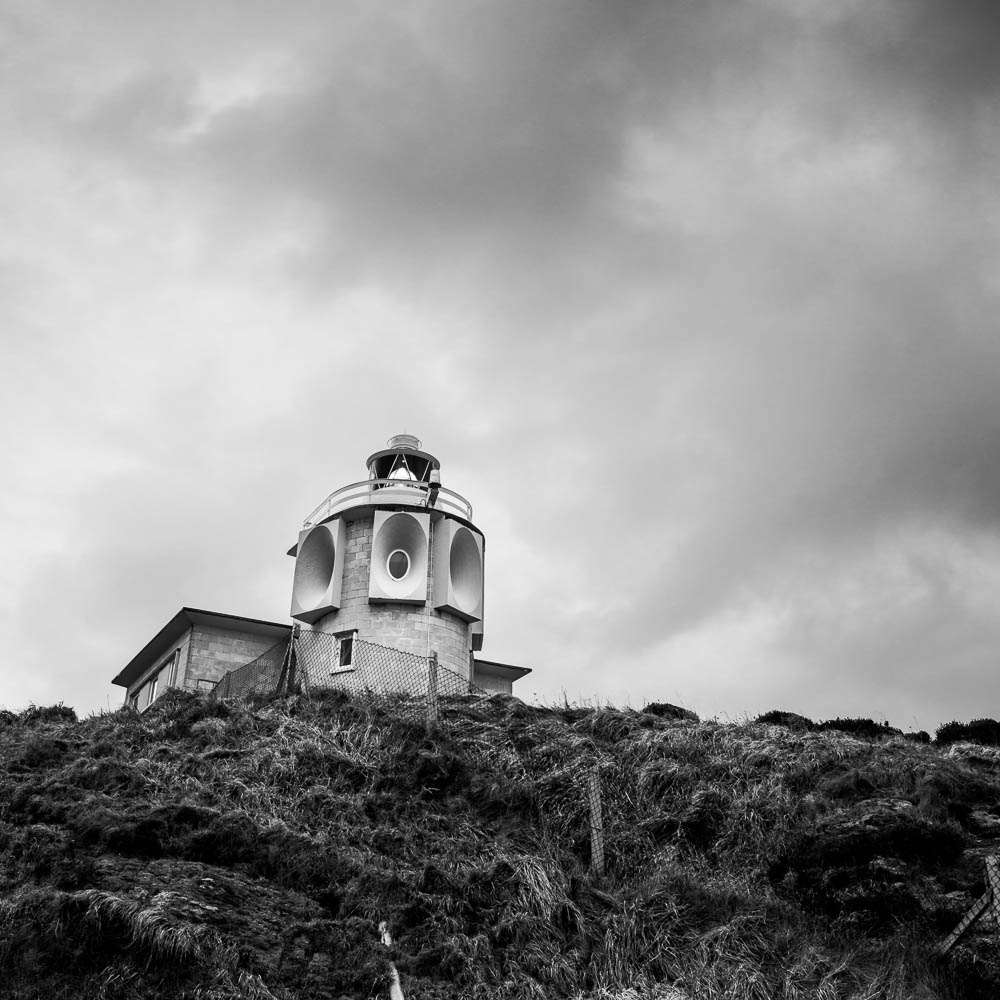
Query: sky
695, 300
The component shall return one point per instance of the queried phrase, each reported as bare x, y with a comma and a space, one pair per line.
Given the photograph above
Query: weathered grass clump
216, 849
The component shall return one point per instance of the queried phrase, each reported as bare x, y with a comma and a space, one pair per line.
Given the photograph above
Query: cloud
695, 302
932, 56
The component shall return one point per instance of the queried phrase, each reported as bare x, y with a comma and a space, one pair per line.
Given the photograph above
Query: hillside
220, 850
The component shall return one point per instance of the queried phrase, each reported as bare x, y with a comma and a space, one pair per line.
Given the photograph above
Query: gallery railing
390, 491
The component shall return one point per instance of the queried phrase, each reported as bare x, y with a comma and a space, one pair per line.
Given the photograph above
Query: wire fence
308, 663
414, 687
256, 676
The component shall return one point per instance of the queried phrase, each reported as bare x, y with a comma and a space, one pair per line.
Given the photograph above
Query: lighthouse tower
396, 560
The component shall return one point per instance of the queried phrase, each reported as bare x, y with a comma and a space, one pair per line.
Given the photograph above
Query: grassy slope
222, 850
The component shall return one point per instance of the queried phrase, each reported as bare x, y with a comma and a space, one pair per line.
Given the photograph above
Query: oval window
398, 564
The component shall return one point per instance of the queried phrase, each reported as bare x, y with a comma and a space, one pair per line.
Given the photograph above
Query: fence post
432, 690
596, 821
284, 680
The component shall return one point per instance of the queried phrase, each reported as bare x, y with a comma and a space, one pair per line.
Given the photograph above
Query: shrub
665, 710
703, 819
866, 728
422, 767
176, 712
850, 786
228, 839
40, 752
608, 724
983, 731
831, 869
48, 713
497, 798
791, 720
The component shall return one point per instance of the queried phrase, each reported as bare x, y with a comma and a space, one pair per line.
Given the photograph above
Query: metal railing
379, 491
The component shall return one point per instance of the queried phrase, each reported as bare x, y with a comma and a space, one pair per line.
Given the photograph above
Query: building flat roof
505, 670
179, 624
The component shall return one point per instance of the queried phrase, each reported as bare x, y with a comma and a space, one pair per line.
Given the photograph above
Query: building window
345, 652
174, 663
151, 695
204, 685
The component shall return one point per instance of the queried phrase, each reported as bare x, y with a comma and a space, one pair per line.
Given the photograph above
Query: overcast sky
695, 300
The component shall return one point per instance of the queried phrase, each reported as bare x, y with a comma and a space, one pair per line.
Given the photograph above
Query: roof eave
175, 628
508, 671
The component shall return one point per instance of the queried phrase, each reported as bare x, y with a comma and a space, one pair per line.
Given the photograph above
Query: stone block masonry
215, 651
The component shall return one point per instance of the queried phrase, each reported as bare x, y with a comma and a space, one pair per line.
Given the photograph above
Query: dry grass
743, 860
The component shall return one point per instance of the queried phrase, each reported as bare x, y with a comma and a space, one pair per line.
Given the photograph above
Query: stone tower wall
410, 627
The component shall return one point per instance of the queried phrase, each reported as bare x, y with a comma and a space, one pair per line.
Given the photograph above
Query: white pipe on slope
395, 990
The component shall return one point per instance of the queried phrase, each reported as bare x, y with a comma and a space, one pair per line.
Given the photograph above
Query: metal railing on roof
390, 491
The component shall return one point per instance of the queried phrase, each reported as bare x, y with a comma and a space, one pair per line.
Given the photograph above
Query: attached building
194, 650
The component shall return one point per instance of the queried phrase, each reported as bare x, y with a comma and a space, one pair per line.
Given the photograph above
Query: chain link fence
256, 676
308, 663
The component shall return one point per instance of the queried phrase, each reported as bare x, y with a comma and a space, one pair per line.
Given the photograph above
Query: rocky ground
223, 850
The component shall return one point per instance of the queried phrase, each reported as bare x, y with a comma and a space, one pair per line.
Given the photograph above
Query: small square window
345, 652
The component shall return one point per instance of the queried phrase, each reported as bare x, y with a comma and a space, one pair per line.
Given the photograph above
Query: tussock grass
223, 849
156, 927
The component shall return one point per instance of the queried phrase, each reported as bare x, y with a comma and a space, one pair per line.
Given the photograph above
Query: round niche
466, 568
314, 566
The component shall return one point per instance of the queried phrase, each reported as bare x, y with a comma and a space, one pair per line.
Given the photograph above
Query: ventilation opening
398, 564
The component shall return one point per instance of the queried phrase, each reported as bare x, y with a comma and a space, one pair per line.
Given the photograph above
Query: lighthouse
391, 566
397, 560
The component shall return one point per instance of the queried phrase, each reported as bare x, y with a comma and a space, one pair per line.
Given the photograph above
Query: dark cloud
458, 143
694, 299
937, 56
